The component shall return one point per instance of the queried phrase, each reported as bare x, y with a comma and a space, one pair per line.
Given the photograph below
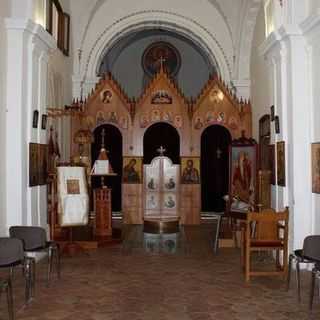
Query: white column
292, 83
27, 43
83, 86
243, 88
76, 86
297, 111
42, 134
311, 30
18, 36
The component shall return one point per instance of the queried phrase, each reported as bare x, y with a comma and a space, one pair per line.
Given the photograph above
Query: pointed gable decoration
216, 104
105, 89
161, 90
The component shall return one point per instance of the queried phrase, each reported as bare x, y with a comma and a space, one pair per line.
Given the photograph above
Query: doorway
161, 134
113, 144
215, 142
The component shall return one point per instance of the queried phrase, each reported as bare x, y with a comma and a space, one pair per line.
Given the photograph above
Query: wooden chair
266, 231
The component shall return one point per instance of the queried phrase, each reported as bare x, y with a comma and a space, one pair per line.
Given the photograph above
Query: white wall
314, 5
59, 90
56, 93
30, 51
311, 29
59, 95
261, 88
292, 51
4, 12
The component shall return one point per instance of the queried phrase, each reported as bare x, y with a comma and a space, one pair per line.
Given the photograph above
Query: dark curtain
113, 144
161, 134
215, 141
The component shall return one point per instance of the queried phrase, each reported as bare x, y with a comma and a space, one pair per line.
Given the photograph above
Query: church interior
161, 159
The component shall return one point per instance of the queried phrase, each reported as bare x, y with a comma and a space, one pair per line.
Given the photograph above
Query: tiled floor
115, 284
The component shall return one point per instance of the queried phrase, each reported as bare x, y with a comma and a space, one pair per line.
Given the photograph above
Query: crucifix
161, 150
103, 134
219, 152
162, 61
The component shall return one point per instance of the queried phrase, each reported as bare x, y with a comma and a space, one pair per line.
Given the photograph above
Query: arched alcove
113, 144
99, 37
215, 142
161, 134
127, 59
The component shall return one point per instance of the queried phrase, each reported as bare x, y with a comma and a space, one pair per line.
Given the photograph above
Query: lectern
102, 195
102, 199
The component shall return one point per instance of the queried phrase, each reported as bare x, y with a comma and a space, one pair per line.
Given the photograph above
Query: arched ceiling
229, 10
238, 15
113, 54
125, 58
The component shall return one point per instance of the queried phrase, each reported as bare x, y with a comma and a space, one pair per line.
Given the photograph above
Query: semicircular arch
92, 51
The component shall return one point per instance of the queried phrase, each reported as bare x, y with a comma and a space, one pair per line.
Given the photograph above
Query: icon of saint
130, 174
190, 174
170, 184
152, 202
151, 184
170, 203
242, 177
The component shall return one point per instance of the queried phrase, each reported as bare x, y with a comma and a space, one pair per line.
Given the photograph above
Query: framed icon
277, 124
44, 122
315, 165
281, 164
242, 169
35, 119
272, 113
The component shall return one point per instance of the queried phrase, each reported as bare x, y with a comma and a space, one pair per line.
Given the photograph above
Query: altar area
169, 153
161, 117
171, 158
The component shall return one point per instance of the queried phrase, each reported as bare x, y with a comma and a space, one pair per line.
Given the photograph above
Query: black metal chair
315, 274
12, 255
216, 216
35, 240
5, 285
312, 252
304, 255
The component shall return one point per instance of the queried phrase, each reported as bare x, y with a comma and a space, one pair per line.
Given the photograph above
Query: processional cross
161, 151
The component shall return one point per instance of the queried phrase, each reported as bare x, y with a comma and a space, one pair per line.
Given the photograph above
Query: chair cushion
33, 238
11, 251
298, 253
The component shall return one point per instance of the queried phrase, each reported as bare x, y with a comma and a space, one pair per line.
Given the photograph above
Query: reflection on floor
135, 240
114, 283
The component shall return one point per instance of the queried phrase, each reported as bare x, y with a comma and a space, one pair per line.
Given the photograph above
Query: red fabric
266, 243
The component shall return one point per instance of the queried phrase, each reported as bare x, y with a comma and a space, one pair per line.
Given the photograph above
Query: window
65, 33
269, 17
57, 23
